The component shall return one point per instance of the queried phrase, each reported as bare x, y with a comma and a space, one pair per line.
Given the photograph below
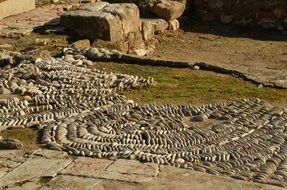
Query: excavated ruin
80, 110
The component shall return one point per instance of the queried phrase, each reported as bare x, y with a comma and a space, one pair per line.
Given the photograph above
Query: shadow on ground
193, 24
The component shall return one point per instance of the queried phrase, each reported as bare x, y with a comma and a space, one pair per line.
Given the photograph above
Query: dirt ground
260, 54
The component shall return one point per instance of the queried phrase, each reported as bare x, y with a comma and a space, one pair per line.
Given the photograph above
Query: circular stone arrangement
79, 111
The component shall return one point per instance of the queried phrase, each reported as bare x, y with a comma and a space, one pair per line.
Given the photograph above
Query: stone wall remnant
166, 9
265, 13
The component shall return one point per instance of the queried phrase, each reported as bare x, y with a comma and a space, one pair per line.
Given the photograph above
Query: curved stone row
79, 110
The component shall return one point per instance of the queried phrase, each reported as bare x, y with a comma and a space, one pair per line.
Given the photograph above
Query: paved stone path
47, 169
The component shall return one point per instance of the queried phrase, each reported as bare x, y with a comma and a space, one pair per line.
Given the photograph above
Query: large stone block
12, 7
168, 10
101, 20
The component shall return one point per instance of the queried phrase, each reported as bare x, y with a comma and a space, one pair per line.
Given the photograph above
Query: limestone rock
128, 14
173, 25
153, 26
168, 10
100, 20
148, 30
141, 52
81, 44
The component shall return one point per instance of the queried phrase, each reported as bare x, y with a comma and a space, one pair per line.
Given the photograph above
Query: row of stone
79, 110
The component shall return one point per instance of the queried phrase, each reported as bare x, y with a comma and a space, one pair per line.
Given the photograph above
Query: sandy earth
262, 55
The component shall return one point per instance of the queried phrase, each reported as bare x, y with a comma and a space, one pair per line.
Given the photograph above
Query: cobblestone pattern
80, 111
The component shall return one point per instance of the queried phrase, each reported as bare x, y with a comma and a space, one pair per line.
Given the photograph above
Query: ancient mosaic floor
80, 111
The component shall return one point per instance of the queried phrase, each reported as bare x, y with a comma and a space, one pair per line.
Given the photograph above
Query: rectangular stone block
93, 26
110, 22
12, 7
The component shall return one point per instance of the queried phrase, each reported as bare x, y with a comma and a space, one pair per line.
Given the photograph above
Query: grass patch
188, 86
28, 136
51, 42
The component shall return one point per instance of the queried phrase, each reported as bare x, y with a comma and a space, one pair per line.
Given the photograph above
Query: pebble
180, 161
82, 111
196, 67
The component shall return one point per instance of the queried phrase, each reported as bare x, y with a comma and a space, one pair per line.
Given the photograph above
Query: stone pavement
25, 23
12, 7
46, 170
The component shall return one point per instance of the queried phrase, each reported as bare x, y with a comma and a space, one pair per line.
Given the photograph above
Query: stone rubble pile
84, 57
79, 110
265, 13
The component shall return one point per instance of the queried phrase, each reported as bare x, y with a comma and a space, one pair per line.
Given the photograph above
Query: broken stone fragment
81, 44
141, 52
150, 27
173, 25
148, 30
168, 10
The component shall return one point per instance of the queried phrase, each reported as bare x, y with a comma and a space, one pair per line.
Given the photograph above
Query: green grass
28, 136
51, 42
189, 86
